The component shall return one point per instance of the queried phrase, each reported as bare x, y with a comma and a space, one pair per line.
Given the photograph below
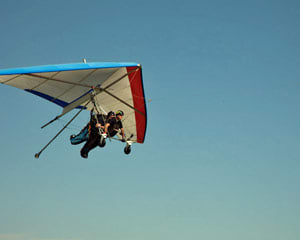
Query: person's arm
106, 127
123, 134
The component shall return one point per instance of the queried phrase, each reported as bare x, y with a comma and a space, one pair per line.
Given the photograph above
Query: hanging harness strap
100, 112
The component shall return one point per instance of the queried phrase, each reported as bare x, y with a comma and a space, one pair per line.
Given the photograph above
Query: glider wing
117, 86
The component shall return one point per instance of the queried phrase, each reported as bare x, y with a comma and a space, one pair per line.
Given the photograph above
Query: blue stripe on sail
51, 99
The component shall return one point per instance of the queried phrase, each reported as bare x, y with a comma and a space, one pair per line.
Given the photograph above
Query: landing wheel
102, 142
127, 149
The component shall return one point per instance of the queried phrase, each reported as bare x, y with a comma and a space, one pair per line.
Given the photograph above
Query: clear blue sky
222, 150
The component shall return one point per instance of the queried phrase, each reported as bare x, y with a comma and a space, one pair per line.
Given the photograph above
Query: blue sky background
221, 156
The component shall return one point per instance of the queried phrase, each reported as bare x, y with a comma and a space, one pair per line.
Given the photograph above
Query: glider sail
114, 85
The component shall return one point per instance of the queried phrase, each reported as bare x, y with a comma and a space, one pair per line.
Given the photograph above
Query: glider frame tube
37, 155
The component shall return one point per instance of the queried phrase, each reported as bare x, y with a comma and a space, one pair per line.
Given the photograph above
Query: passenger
111, 127
92, 125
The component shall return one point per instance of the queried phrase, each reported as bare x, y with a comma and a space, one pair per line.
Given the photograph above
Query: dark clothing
114, 127
90, 127
101, 119
94, 137
91, 143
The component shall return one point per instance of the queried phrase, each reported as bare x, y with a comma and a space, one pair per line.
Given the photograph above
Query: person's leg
91, 143
80, 137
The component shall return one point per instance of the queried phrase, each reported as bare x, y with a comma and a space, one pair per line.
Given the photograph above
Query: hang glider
76, 86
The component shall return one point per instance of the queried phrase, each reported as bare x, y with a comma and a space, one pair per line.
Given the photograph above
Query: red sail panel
137, 90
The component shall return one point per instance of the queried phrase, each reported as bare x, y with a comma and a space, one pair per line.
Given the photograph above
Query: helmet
111, 113
120, 112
